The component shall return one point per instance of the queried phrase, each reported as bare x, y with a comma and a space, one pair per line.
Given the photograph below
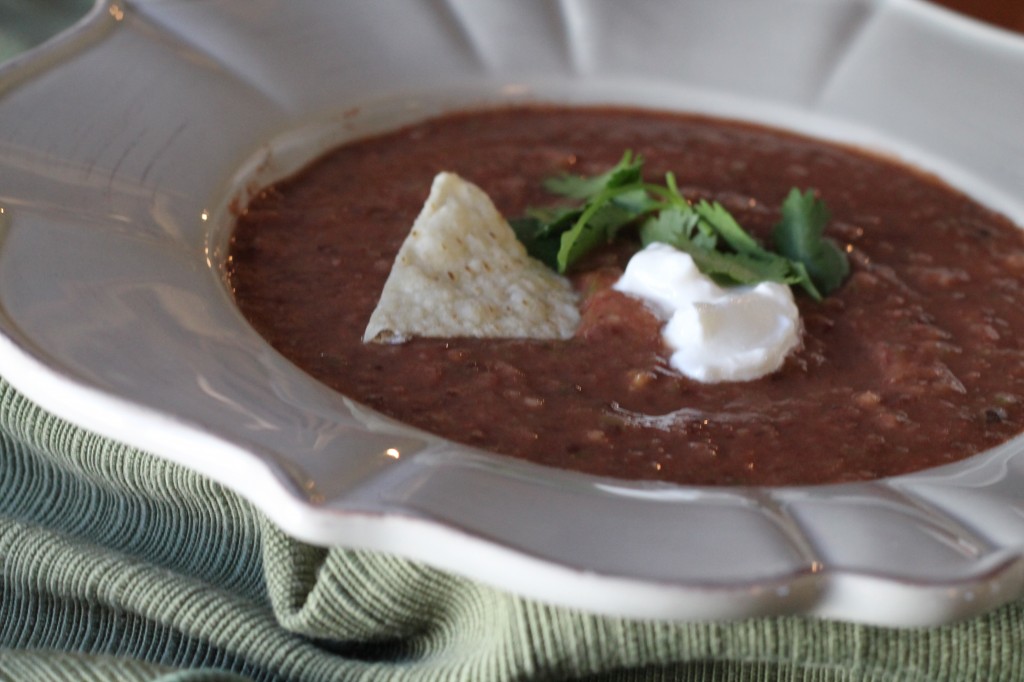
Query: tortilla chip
462, 272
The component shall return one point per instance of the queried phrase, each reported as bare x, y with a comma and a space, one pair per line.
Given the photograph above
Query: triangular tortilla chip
462, 272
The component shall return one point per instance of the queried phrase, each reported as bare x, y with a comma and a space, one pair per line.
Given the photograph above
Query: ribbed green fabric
118, 565
26, 23
56, 667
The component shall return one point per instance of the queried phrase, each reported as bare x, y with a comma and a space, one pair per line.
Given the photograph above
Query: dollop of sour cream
715, 333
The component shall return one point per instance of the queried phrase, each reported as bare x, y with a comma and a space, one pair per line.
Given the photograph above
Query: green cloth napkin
26, 23
118, 565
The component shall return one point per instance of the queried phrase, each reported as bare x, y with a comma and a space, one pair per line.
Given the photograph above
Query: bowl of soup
203, 204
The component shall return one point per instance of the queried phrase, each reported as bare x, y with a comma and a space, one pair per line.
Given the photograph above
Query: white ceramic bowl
124, 143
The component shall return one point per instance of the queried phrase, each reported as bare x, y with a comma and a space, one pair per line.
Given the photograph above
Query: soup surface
916, 361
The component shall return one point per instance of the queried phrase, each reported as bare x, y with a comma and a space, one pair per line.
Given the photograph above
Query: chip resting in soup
888, 341
462, 273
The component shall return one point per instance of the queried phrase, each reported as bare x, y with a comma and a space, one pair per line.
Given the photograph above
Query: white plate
124, 143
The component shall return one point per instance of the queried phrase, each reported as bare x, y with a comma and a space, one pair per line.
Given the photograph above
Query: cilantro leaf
627, 171
597, 225
799, 236
725, 225
536, 236
612, 200
681, 229
742, 269
676, 226
540, 231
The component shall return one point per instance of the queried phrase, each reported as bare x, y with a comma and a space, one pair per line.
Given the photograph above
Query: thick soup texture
917, 361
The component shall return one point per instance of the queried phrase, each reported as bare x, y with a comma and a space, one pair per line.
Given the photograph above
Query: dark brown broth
917, 361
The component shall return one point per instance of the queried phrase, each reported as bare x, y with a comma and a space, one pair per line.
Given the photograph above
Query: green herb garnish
721, 248
799, 237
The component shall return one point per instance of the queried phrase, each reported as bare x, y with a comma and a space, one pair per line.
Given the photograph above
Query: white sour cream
715, 333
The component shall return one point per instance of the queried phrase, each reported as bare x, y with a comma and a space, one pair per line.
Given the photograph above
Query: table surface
1006, 13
